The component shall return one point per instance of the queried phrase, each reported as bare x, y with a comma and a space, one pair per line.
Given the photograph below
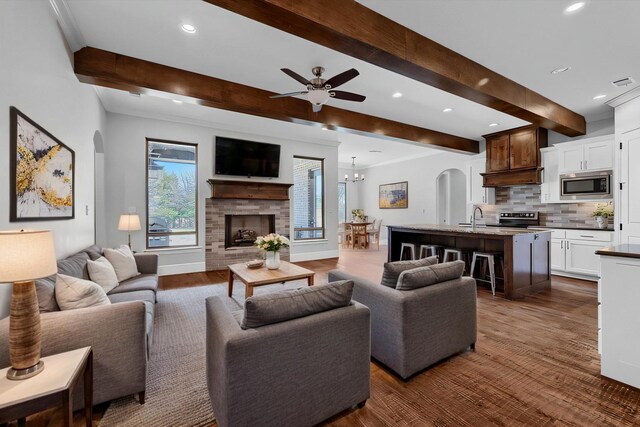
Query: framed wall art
42, 172
394, 196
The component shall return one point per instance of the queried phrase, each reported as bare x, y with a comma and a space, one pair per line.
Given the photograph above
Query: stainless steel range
522, 219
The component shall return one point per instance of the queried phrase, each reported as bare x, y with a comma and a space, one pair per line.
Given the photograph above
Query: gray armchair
294, 373
413, 329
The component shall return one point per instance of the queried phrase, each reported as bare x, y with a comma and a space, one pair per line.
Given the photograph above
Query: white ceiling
525, 40
235, 48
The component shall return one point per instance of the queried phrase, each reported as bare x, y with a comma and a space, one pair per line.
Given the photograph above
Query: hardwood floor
536, 364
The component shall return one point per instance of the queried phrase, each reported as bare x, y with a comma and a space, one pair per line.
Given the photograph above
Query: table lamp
129, 222
25, 255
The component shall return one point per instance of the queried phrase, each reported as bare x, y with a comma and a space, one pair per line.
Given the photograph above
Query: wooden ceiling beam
108, 69
352, 29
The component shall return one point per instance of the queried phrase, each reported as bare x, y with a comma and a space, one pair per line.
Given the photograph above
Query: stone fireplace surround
216, 256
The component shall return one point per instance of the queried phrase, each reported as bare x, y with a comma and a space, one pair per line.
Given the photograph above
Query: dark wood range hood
257, 190
513, 157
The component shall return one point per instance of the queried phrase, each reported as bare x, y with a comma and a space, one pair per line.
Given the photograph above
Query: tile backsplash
527, 198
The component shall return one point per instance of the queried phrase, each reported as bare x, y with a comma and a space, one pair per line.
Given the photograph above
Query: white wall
601, 127
125, 182
422, 174
37, 78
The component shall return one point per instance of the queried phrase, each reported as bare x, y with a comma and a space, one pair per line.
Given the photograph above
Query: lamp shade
26, 255
129, 222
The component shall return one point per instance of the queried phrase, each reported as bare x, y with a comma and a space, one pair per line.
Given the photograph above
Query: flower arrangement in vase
271, 244
602, 214
358, 215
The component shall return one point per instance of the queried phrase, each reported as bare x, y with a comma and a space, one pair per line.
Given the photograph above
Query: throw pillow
392, 270
72, 293
101, 272
123, 262
46, 292
430, 275
286, 305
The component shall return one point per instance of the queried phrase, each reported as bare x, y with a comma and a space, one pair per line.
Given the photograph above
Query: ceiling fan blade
283, 95
342, 78
295, 76
316, 108
347, 96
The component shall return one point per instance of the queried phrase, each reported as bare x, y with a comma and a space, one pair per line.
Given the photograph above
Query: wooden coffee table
253, 277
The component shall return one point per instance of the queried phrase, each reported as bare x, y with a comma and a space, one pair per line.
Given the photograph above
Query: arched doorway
451, 197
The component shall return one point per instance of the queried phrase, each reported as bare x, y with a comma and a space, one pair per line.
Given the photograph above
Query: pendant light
356, 177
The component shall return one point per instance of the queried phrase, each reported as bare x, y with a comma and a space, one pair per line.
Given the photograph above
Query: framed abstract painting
42, 173
394, 196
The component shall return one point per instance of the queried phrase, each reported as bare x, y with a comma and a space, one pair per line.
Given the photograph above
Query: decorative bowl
255, 263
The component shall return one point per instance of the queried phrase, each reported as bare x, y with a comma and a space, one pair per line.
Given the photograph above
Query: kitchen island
527, 267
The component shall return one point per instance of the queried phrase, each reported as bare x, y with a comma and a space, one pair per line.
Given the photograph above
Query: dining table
358, 230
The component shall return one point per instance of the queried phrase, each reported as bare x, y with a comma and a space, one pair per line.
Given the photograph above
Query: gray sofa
413, 329
120, 334
294, 373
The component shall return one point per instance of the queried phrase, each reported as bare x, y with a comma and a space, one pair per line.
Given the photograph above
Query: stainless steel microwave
586, 186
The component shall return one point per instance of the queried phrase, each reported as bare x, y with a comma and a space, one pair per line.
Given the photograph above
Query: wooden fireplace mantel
229, 189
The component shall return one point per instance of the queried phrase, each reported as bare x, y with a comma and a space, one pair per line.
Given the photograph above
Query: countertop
479, 230
624, 251
572, 227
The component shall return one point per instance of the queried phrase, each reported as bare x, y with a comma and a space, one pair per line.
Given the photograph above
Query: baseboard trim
312, 256
575, 276
192, 267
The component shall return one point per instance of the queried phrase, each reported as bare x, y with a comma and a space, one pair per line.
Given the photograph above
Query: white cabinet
581, 257
573, 252
571, 159
550, 187
628, 201
476, 193
586, 155
557, 254
620, 319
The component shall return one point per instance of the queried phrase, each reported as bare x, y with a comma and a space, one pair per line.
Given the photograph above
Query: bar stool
456, 254
410, 247
490, 257
429, 250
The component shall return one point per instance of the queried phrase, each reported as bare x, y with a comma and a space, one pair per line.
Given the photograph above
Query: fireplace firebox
242, 230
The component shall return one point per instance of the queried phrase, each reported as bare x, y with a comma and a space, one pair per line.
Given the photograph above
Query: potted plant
602, 214
271, 244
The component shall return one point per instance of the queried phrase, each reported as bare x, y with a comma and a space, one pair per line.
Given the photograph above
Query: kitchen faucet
473, 217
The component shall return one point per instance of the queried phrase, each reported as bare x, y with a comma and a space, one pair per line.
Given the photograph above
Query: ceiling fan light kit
319, 90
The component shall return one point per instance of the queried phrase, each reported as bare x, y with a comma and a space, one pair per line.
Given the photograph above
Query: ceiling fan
320, 90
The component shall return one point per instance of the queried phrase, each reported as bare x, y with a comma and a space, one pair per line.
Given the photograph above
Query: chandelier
356, 177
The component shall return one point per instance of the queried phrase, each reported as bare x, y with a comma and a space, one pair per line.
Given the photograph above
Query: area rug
177, 392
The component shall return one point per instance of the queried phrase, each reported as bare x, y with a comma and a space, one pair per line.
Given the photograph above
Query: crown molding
68, 24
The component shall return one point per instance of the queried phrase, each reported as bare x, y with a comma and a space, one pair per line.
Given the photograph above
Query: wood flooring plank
536, 364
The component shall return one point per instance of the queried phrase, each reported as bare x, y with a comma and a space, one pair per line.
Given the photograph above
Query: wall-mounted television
246, 158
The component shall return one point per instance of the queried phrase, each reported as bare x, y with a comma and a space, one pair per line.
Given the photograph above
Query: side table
52, 387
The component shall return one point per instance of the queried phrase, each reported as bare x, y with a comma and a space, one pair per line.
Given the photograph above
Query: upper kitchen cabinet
586, 155
513, 157
550, 187
476, 193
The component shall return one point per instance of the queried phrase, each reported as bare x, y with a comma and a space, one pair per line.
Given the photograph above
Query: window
172, 188
342, 202
308, 198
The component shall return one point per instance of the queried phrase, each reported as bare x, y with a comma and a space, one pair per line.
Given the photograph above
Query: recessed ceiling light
560, 70
574, 7
599, 96
188, 28
493, 124
177, 101
397, 95
447, 110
